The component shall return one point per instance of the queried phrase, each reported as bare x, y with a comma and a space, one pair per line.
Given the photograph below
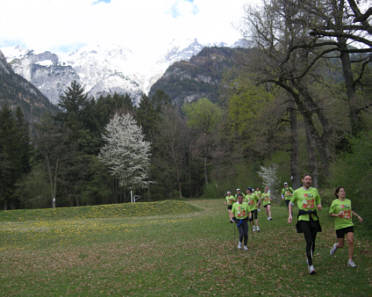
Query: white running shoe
312, 269
254, 228
239, 245
245, 248
333, 249
258, 228
351, 263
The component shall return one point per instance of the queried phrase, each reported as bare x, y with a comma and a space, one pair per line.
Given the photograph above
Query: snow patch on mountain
101, 69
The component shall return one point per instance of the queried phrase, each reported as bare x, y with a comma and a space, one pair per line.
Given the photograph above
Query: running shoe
258, 228
254, 228
312, 269
351, 263
245, 248
239, 245
333, 249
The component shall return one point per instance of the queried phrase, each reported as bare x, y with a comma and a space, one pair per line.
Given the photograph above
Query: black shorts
254, 215
229, 207
287, 202
341, 232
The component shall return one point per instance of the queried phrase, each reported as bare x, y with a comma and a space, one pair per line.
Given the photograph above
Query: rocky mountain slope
17, 91
201, 76
99, 69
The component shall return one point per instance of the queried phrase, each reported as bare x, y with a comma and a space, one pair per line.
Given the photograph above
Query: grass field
170, 248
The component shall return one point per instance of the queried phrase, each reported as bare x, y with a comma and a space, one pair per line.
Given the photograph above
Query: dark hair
306, 174
240, 195
338, 190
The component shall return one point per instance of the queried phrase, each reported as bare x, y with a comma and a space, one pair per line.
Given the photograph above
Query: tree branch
364, 65
316, 32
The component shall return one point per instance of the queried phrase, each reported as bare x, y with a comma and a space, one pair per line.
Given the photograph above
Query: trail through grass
175, 249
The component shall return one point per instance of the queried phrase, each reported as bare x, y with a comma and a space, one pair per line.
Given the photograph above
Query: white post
131, 196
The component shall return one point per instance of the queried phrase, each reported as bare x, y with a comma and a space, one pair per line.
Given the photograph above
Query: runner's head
240, 198
285, 185
228, 193
238, 190
340, 192
307, 180
257, 189
249, 190
266, 189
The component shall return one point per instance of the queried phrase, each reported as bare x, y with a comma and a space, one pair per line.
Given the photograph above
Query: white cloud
138, 24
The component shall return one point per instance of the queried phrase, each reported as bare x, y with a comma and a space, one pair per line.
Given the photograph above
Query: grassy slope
182, 253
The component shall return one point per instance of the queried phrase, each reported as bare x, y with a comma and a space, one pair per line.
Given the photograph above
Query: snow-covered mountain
100, 69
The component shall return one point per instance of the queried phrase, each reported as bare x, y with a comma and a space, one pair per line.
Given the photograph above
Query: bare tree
274, 35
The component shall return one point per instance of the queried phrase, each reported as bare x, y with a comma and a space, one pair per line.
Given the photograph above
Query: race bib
309, 204
347, 214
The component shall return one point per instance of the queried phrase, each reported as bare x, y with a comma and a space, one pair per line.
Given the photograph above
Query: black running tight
310, 236
243, 231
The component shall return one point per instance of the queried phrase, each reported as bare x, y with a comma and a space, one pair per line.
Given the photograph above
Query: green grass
138, 209
171, 248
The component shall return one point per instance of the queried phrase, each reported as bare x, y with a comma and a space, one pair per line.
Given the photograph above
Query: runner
240, 213
253, 202
237, 193
266, 202
287, 193
229, 201
341, 210
258, 193
308, 201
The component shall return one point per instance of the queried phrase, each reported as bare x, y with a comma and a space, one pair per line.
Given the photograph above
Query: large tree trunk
205, 170
350, 88
294, 145
312, 161
323, 139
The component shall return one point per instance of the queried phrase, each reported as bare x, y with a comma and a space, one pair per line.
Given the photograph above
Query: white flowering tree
269, 176
126, 153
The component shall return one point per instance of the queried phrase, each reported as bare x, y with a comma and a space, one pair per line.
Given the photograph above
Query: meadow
169, 248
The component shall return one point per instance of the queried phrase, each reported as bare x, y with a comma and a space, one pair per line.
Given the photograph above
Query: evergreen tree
15, 152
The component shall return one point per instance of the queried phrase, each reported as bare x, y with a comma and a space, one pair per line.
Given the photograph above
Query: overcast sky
66, 24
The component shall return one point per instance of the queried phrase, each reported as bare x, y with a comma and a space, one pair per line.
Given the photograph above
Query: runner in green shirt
308, 201
287, 193
240, 213
341, 210
258, 193
253, 203
266, 202
229, 201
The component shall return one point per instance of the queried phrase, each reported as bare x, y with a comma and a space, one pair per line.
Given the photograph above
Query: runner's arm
358, 216
289, 213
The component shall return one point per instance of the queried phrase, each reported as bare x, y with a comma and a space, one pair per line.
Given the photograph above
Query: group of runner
243, 208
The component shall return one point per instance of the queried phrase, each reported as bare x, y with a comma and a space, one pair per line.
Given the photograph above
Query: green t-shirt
258, 194
240, 211
266, 199
306, 199
287, 193
230, 200
252, 200
347, 218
